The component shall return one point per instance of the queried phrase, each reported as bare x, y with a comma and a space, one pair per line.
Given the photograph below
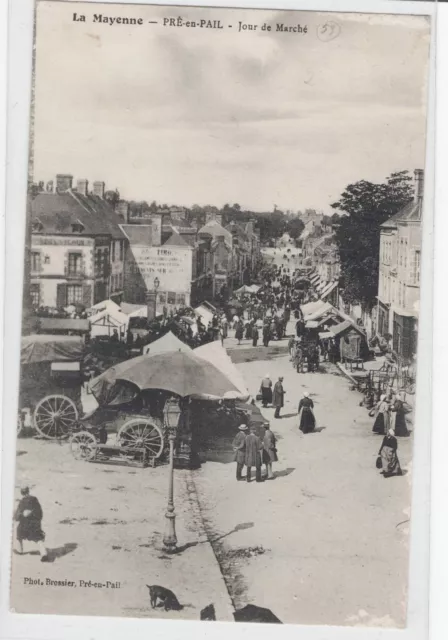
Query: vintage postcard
223, 253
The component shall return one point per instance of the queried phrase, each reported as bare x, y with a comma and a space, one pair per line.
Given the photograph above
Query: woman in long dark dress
398, 412
381, 411
29, 517
307, 421
389, 458
239, 331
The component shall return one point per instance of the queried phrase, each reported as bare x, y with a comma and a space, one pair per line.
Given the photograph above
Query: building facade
399, 276
77, 247
161, 271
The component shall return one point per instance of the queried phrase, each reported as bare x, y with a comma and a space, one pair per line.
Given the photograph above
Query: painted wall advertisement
172, 266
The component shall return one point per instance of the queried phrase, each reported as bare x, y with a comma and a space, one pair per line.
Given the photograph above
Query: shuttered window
74, 294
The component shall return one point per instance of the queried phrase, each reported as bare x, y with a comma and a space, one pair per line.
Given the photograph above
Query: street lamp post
171, 414
156, 287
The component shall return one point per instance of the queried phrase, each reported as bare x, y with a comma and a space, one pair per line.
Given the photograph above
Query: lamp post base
170, 538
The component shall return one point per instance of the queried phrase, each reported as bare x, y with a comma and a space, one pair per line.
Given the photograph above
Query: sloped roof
214, 229
175, 240
138, 234
59, 211
343, 326
412, 212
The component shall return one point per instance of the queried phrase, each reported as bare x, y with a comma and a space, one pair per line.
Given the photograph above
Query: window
74, 264
74, 293
171, 297
113, 251
416, 268
35, 294
181, 299
35, 261
161, 296
121, 245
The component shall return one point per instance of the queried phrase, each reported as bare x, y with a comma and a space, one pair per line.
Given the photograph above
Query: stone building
77, 246
399, 275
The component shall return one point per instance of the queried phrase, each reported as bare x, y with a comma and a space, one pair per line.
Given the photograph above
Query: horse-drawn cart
50, 363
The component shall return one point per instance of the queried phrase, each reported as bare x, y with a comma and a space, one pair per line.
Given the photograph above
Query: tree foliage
295, 227
366, 205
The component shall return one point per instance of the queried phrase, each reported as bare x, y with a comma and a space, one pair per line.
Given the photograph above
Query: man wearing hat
278, 397
239, 447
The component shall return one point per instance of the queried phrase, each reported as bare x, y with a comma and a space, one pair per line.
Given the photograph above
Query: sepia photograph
222, 269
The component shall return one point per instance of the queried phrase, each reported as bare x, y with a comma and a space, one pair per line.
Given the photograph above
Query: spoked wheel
55, 417
83, 446
142, 433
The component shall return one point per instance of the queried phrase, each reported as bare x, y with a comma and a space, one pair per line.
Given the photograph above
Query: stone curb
198, 520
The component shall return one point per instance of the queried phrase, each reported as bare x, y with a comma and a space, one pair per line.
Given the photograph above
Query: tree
368, 205
112, 197
295, 228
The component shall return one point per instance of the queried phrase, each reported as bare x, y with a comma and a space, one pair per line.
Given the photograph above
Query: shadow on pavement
284, 472
60, 552
188, 545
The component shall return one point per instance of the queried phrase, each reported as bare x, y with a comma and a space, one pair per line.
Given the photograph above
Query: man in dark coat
266, 334
239, 447
278, 397
254, 335
29, 516
269, 451
254, 447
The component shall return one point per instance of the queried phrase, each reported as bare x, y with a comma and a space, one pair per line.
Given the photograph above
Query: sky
200, 116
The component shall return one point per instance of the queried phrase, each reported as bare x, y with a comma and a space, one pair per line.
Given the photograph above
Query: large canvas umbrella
181, 373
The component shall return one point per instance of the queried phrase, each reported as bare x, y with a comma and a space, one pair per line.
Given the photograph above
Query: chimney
218, 218
64, 182
209, 217
156, 223
82, 186
98, 188
419, 176
122, 210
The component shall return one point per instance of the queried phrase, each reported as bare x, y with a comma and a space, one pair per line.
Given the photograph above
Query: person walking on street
398, 420
381, 424
266, 390
254, 447
389, 459
239, 447
239, 331
254, 336
266, 334
278, 397
29, 516
269, 451
307, 421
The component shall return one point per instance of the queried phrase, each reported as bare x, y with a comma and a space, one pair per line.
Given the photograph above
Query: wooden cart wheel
83, 446
142, 432
55, 416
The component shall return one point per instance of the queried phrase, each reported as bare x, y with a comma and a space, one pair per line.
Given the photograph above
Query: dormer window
77, 226
37, 226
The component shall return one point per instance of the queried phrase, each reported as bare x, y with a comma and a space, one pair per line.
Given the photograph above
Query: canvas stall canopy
104, 305
215, 353
205, 313
50, 348
108, 320
167, 343
63, 325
